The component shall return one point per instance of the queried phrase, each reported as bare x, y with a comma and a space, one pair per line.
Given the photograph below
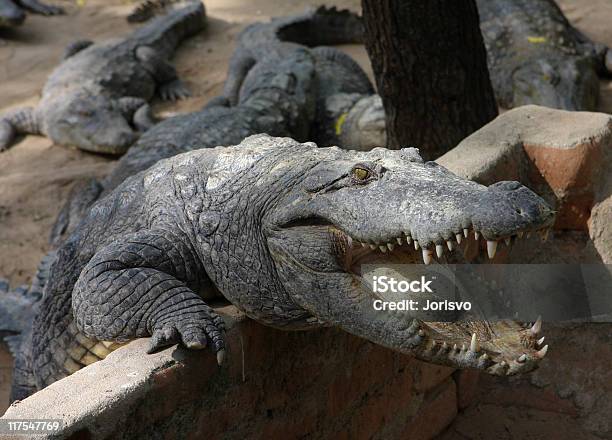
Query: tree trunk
430, 64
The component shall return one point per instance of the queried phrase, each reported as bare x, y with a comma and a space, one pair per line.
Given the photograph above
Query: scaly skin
276, 98
536, 56
273, 226
12, 12
97, 98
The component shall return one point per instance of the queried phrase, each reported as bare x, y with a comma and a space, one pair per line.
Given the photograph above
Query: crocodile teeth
465, 232
382, 248
503, 364
542, 352
541, 340
449, 245
455, 347
421, 332
476, 235
390, 246
528, 234
537, 326
544, 234
439, 250
484, 357
458, 237
491, 248
399, 240
363, 244
408, 240
372, 246
520, 234
463, 347
416, 245
427, 256
507, 240
474, 344
444, 346
522, 358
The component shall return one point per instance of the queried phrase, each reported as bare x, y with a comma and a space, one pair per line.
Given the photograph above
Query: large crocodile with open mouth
12, 12
280, 229
97, 98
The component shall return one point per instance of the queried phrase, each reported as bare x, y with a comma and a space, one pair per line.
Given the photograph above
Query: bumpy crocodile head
10, 14
90, 122
342, 209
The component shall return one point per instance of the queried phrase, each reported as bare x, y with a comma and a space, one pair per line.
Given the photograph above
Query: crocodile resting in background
97, 99
12, 12
536, 56
347, 103
280, 229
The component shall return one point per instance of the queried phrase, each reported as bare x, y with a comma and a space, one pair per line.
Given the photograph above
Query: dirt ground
35, 175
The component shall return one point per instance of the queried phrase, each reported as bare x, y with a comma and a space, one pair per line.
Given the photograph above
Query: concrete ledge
275, 384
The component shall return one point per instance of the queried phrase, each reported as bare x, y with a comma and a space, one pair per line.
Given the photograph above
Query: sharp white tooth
390, 246
458, 237
399, 241
545, 234
542, 352
444, 346
491, 248
537, 326
463, 347
439, 250
541, 340
474, 343
507, 240
427, 256
528, 234
503, 364
520, 234
383, 249
455, 347
466, 231
372, 246
363, 244
450, 245
522, 358
408, 240
421, 332
416, 245
476, 235
484, 357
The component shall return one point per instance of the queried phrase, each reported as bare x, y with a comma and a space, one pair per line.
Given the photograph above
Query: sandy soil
35, 175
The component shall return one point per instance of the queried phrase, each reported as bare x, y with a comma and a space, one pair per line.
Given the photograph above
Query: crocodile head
341, 209
89, 122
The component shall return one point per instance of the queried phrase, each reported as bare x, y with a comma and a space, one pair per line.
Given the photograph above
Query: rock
558, 154
467, 387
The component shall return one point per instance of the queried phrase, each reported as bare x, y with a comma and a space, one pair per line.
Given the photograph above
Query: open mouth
502, 347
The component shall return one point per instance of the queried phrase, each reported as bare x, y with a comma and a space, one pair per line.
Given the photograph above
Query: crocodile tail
165, 32
322, 26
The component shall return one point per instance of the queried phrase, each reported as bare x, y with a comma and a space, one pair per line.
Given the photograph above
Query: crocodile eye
361, 173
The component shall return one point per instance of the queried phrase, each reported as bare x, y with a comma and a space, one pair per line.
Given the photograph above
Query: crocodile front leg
142, 285
16, 122
170, 87
138, 112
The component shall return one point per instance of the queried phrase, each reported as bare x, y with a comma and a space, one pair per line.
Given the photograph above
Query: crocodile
12, 12
535, 56
97, 98
276, 99
315, 29
279, 229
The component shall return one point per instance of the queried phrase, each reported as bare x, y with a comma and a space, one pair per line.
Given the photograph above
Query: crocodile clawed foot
173, 91
194, 332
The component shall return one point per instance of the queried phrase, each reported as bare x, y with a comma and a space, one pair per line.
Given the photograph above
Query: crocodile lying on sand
280, 229
350, 102
97, 99
276, 99
12, 12
536, 56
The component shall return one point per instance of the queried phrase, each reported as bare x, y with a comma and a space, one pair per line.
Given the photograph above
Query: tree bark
430, 64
